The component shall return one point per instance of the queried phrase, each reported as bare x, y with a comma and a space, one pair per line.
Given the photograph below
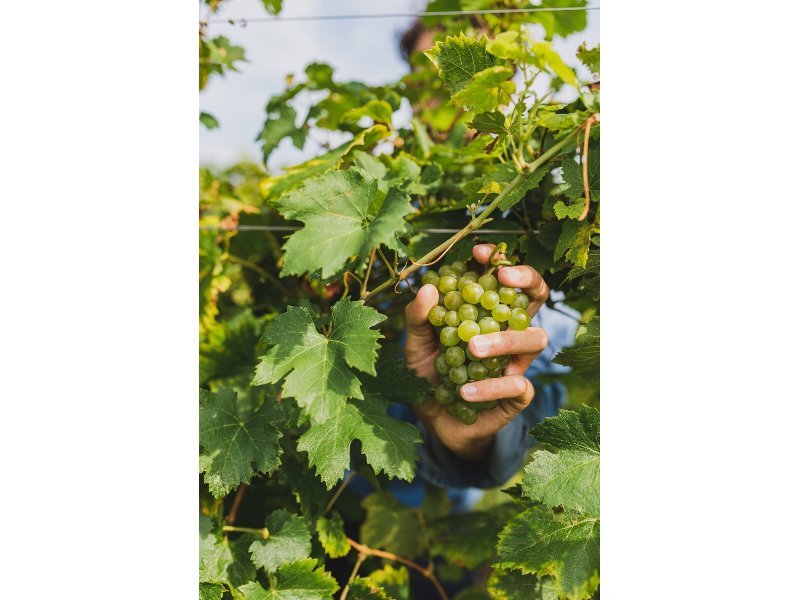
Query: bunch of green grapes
469, 305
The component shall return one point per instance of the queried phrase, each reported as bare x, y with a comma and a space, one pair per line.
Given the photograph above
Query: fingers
516, 389
524, 277
417, 310
529, 341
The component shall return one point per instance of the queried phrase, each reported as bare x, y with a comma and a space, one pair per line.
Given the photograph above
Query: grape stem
263, 532
477, 221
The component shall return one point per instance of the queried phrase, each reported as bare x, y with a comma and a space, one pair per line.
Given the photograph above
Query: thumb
417, 311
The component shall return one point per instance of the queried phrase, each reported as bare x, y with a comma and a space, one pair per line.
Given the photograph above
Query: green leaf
211, 591
567, 547
502, 175
331, 535
236, 446
280, 123
335, 209
318, 368
549, 58
395, 382
296, 581
487, 90
378, 110
584, 356
273, 6
507, 45
309, 491
572, 172
391, 526
576, 236
513, 585
590, 57
289, 541
388, 444
208, 120
493, 122
388, 582
468, 539
222, 561
457, 59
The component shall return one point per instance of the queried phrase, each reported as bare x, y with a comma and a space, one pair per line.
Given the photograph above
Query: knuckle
520, 385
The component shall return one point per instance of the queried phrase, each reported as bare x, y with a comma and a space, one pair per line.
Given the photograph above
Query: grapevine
306, 402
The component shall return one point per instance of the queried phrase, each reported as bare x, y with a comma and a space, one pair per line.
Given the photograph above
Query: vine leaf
487, 90
567, 547
590, 57
548, 57
379, 111
318, 369
344, 216
513, 585
222, 561
501, 175
391, 526
332, 536
236, 446
388, 582
301, 580
395, 382
468, 539
289, 541
457, 59
584, 356
569, 478
388, 444
574, 242
211, 591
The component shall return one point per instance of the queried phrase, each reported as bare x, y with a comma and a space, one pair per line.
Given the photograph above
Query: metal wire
297, 228
439, 13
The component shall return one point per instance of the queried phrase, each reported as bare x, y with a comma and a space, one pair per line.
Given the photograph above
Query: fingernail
481, 344
469, 390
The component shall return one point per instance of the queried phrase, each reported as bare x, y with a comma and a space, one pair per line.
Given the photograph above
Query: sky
365, 50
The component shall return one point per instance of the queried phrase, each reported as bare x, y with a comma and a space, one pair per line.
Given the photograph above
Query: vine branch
478, 220
338, 492
361, 558
427, 573
237, 501
585, 160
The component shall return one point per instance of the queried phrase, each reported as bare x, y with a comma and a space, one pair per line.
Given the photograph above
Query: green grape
489, 300
519, 319
521, 301
443, 394
468, 312
488, 282
494, 373
451, 318
453, 300
447, 283
477, 371
440, 364
436, 315
470, 355
467, 330
449, 336
501, 313
507, 294
459, 374
430, 277
488, 325
455, 356
493, 362
441, 299
451, 408
465, 413
485, 405
459, 267
465, 280
471, 275
472, 293
446, 270
483, 313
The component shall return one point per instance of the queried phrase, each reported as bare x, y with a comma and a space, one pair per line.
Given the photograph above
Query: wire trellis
288, 228
439, 13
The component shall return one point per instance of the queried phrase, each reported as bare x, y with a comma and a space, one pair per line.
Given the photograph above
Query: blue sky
366, 50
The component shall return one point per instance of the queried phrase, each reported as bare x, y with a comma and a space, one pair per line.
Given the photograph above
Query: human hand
513, 390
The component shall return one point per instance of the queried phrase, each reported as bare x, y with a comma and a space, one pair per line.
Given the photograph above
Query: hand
513, 391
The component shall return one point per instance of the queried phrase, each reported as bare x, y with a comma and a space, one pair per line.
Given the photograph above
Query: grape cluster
469, 305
